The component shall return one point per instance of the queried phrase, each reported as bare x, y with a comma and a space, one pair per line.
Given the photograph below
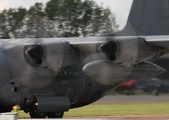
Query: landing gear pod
51, 103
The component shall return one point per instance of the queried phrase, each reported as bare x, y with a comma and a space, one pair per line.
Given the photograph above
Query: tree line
57, 18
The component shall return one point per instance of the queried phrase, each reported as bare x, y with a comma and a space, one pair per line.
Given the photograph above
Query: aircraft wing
89, 45
158, 41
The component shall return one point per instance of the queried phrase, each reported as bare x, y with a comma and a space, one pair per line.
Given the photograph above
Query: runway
109, 99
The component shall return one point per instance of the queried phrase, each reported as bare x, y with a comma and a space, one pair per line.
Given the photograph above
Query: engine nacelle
50, 54
129, 50
38, 56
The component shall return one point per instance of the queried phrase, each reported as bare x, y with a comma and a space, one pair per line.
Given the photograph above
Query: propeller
38, 74
29, 60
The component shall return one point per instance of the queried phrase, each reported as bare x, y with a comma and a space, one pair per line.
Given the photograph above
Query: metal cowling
51, 103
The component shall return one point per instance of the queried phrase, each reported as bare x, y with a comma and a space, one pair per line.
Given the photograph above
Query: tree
36, 10
4, 31
36, 27
101, 21
9, 21
74, 18
65, 15
59, 18
35, 24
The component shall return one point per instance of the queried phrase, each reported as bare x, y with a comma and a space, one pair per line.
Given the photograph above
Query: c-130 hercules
47, 77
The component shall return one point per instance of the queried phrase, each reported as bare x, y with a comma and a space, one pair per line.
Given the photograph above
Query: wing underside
158, 41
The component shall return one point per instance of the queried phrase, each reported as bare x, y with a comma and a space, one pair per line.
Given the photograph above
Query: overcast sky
119, 7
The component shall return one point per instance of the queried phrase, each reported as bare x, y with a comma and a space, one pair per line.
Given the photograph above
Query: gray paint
69, 67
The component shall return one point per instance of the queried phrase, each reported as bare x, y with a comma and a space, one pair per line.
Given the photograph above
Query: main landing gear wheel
34, 114
55, 114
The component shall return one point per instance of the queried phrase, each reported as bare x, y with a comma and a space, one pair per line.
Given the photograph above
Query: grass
98, 110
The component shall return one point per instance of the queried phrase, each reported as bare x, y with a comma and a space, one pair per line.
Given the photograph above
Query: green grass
97, 110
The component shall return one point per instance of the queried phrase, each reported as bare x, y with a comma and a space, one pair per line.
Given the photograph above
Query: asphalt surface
133, 99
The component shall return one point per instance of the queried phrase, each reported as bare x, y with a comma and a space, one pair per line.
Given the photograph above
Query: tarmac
133, 99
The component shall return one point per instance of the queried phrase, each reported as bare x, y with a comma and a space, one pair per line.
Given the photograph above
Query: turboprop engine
42, 54
128, 51
37, 62
50, 54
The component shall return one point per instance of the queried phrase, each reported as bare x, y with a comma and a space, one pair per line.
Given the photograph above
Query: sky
119, 7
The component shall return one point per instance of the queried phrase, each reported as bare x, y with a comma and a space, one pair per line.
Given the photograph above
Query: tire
55, 114
34, 114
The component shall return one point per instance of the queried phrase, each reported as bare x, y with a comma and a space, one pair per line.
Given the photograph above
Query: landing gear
43, 115
37, 115
55, 114
34, 114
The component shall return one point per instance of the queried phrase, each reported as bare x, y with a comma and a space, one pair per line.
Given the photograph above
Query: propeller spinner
36, 52
110, 48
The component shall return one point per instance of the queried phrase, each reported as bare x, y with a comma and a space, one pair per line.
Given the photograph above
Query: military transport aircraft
47, 77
